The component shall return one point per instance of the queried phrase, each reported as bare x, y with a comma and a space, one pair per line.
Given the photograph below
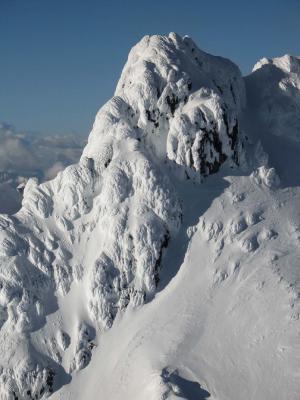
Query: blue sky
61, 59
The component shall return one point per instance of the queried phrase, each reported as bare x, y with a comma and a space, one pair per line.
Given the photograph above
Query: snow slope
166, 263
229, 319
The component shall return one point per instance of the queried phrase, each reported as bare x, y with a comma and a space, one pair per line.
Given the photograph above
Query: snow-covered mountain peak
274, 95
286, 63
89, 248
183, 103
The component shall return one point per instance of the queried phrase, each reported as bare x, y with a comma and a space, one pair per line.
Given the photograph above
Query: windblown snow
165, 264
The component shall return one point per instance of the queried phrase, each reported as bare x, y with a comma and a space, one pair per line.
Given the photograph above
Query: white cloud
54, 170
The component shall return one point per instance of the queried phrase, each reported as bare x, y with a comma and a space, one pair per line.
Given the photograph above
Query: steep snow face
182, 103
274, 93
104, 232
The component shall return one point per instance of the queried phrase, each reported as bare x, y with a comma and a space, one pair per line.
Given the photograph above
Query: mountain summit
165, 263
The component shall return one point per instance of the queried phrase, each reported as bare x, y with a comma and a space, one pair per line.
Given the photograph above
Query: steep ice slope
184, 102
91, 242
227, 325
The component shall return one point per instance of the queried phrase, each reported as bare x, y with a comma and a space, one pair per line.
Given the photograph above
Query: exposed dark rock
157, 265
172, 102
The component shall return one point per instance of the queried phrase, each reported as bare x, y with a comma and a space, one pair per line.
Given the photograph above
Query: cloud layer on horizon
24, 155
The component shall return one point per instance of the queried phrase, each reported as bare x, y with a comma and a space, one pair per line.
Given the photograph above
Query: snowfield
165, 264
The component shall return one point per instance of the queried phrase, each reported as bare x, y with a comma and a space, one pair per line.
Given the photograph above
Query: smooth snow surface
166, 263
